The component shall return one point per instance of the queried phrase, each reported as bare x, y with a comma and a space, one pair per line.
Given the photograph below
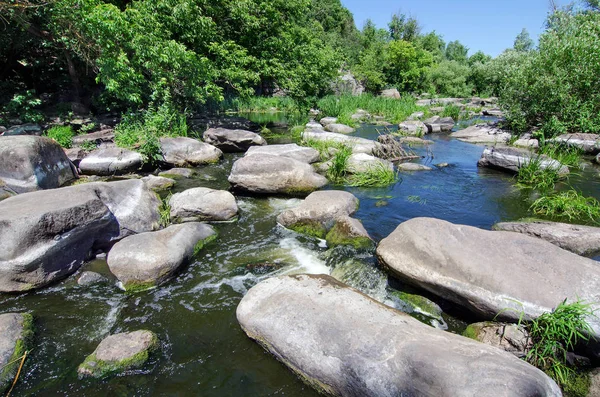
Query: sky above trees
481, 25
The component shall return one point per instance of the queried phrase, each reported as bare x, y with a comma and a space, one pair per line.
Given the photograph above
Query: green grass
451, 111
165, 211
260, 104
338, 170
63, 135
570, 205
565, 154
378, 175
343, 107
532, 174
88, 146
326, 148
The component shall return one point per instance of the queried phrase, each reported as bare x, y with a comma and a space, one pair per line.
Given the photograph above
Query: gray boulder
437, 124
344, 343
158, 183
491, 273
348, 231
203, 204
339, 128
413, 167
47, 235
325, 121
413, 128
527, 141
318, 212
589, 143
362, 162
391, 93
177, 173
512, 338
90, 278
312, 125
29, 163
291, 150
112, 161
512, 159
119, 353
16, 334
232, 140
482, 134
495, 112
98, 137
582, 240
358, 145
146, 260
269, 174
24, 129
188, 152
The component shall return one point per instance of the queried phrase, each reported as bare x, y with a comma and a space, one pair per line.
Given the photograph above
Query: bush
342, 107
23, 105
63, 135
449, 78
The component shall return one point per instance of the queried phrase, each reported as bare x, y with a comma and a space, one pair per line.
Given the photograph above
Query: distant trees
523, 41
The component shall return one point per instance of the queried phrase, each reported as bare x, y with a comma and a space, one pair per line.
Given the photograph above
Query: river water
203, 350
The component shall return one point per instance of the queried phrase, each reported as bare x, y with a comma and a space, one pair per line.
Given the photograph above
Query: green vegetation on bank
63, 135
569, 206
344, 106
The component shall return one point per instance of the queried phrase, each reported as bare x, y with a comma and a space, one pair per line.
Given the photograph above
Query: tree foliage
523, 41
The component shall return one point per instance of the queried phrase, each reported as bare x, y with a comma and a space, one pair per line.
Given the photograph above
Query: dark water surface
204, 351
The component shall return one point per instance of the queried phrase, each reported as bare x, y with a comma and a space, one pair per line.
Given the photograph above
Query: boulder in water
232, 140
358, 145
16, 334
589, 143
512, 159
177, 173
348, 231
111, 161
90, 278
413, 128
203, 204
188, 152
413, 167
482, 134
291, 150
439, 124
339, 128
362, 162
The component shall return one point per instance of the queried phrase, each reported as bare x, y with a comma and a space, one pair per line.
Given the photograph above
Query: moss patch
202, 243
311, 228
419, 303
134, 287
23, 344
578, 385
471, 332
338, 235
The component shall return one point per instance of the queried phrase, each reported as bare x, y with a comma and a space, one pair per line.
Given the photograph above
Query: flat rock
291, 150
413, 127
362, 162
318, 212
146, 260
177, 173
437, 124
313, 125
269, 174
119, 353
339, 128
358, 145
582, 240
413, 167
16, 333
344, 343
188, 152
103, 136
29, 163
482, 134
232, 140
203, 204
328, 120
24, 129
112, 161
495, 112
512, 159
589, 143
511, 338
47, 235
158, 183
490, 272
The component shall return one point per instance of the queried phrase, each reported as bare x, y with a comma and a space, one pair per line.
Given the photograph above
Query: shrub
24, 106
339, 164
533, 174
569, 205
378, 175
449, 78
63, 135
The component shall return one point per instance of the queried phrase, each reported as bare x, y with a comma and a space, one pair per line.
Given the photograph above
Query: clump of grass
554, 334
88, 146
86, 128
342, 107
338, 170
165, 211
451, 111
63, 135
565, 154
569, 205
326, 148
260, 104
534, 174
378, 175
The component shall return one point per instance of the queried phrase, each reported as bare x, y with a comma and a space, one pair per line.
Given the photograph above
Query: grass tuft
343, 107
63, 135
533, 174
338, 170
570, 205
378, 175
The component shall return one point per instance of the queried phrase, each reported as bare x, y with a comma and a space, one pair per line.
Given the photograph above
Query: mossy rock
23, 343
311, 228
342, 234
419, 304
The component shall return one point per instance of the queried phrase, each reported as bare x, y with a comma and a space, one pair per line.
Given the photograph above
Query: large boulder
582, 240
269, 174
232, 140
413, 128
512, 159
391, 93
439, 124
358, 145
291, 150
339, 128
111, 161
362, 162
202, 204
146, 260
344, 343
492, 273
119, 353
589, 143
29, 163
188, 152
47, 235
318, 212
482, 134
16, 334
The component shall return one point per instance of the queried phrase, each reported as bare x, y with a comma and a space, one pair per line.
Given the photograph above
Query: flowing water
204, 351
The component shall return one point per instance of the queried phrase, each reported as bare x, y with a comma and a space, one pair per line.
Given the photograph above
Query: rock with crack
232, 140
512, 338
203, 204
112, 161
16, 337
344, 343
188, 152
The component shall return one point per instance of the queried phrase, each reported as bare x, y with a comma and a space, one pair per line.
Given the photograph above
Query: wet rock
511, 338
437, 124
348, 231
113, 161
582, 240
589, 143
413, 140
103, 136
391, 93
489, 272
90, 278
188, 152
203, 204
344, 343
482, 134
413, 167
318, 212
268, 174
16, 334
358, 145
119, 353
177, 173
47, 235
24, 129
413, 127
419, 305
232, 140
5, 191
495, 112
512, 159
29, 163
442, 165
339, 128
291, 150
362, 162
146, 260
325, 121
158, 183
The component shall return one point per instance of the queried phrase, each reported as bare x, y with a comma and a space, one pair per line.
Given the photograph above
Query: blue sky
486, 25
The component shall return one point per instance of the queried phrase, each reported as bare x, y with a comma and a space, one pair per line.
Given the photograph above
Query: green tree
523, 42
479, 57
435, 44
449, 78
407, 65
456, 51
404, 28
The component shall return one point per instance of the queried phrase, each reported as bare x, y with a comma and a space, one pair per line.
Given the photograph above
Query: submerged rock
112, 161
512, 159
146, 260
482, 134
512, 338
232, 140
589, 143
412, 303
291, 150
358, 145
188, 152
413, 167
269, 174
47, 235
16, 334
344, 343
91, 278
491, 273
348, 231
119, 353
582, 240
203, 204
29, 163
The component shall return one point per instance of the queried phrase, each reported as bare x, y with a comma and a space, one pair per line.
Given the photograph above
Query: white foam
307, 260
